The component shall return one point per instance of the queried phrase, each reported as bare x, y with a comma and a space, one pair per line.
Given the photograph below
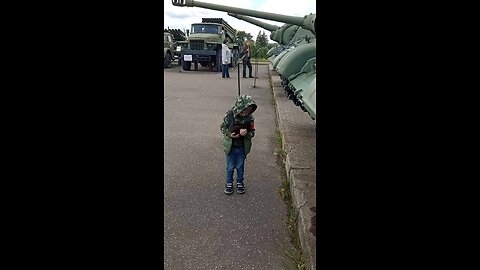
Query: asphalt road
203, 227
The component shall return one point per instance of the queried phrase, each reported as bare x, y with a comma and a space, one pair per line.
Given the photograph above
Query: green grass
295, 255
294, 259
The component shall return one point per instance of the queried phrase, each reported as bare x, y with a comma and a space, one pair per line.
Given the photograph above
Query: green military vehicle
204, 44
171, 48
168, 49
295, 57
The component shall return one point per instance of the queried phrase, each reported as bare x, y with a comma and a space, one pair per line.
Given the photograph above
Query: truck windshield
205, 28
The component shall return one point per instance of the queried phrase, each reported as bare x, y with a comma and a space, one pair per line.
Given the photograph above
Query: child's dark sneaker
240, 188
228, 189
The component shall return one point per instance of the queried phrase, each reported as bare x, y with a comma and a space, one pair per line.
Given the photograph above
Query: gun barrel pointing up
307, 21
266, 26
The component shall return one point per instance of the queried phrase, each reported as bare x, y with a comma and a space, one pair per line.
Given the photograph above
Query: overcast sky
183, 17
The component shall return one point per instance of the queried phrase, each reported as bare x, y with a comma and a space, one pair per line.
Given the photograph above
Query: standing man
246, 54
225, 59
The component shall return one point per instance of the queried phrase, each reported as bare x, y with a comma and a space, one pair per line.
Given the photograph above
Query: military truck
178, 37
204, 44
168, 49
171, 46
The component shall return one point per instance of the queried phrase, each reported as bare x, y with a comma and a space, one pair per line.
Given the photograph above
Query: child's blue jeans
235, 159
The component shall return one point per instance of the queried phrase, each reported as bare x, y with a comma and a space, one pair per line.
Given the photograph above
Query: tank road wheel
167, 62
186, 65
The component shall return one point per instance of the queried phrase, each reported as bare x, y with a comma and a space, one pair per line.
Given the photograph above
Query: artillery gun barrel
267, 26
307, 22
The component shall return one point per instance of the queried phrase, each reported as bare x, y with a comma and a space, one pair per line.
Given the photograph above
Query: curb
299, 164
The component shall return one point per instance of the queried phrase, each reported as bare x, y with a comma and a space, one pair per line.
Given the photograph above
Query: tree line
260, 46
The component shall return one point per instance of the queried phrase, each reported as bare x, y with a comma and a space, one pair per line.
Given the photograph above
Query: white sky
183, 17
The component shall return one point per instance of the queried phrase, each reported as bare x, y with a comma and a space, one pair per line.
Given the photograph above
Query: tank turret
283, 35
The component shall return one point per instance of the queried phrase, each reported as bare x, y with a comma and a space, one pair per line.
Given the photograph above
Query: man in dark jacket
246, 54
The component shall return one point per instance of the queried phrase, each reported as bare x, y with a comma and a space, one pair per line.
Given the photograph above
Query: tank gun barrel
267, 26
307, 22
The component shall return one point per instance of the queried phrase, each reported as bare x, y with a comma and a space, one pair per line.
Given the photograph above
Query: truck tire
167, 62
186, 65
218, 62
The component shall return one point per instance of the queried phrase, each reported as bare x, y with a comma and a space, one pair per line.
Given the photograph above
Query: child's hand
234, 136
243, 132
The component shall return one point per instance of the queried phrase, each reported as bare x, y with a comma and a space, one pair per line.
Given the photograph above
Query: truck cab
204, 45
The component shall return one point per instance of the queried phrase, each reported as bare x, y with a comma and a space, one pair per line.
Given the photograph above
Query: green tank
283, 35
294, 58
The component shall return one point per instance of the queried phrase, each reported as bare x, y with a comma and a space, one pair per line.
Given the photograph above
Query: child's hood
242, 103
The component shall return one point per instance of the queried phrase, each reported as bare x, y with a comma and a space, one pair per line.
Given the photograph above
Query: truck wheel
186, 65
218, 63
167, 62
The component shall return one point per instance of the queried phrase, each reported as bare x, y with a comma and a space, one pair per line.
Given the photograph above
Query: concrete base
299, 143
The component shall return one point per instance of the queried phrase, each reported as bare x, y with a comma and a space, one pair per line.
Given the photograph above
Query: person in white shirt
226, 54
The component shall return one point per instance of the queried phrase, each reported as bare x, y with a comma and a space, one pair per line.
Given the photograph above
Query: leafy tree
260, 46
262, 39
242, 36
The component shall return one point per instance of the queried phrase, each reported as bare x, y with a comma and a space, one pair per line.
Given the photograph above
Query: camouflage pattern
241, 104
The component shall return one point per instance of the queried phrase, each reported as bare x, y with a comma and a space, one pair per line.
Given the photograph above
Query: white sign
187, 57
179, 48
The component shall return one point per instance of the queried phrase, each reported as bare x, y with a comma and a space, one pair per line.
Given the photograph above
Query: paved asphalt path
203, 227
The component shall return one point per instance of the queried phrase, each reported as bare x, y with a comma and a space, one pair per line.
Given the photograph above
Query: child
238, 129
